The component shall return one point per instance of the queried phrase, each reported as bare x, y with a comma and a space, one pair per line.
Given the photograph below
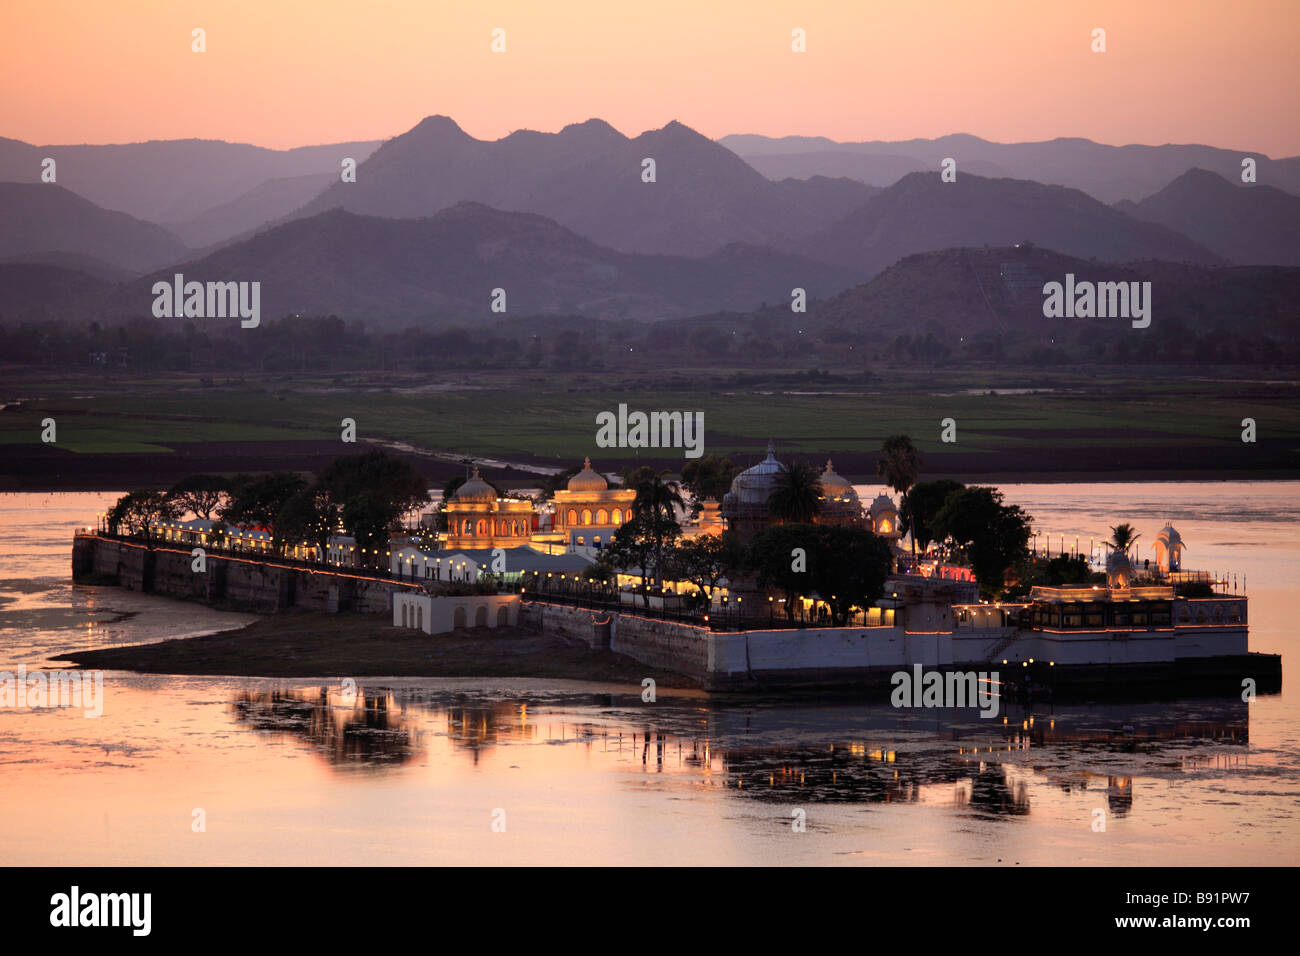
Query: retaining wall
262, 587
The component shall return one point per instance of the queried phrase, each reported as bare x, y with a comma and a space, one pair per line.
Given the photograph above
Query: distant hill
76, 262
587, 177
447, 265
31, 290
1107, 173
1246, 224
176, 181
955, 293
267, 201
37, 218
920, 213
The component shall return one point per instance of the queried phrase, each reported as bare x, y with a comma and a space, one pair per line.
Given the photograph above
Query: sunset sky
296, 72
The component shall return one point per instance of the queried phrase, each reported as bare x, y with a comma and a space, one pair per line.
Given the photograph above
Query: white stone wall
441, 614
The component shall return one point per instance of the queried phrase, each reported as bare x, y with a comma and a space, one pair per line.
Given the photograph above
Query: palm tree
1122, 537
900, 468
657, 499
796, 494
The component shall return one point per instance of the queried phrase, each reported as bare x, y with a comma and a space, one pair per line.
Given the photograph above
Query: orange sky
293, 72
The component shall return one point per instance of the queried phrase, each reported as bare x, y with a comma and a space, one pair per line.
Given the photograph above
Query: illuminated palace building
477, 518
588, 512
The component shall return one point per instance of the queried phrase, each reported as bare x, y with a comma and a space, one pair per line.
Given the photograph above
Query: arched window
482, 527
572, 517
618, 516
586, 516
602, 516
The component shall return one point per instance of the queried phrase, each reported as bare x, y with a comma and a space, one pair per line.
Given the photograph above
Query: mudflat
316, 644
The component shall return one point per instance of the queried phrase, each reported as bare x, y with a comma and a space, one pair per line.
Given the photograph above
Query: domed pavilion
477, 518
588, 512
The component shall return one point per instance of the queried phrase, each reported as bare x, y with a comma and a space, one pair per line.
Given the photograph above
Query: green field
556, 420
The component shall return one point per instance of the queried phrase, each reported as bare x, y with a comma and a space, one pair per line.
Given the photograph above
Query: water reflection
792, 752
367, 732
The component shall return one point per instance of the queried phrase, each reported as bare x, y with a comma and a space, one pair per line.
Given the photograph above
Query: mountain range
964, 292
589, 177
446, 266
179, 183
1107, 173
1256, 224
566, 223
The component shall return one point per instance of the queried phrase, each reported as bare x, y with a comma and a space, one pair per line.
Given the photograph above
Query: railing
727, 618
265, 556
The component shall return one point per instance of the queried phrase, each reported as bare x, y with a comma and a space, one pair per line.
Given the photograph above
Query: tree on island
310, 515
770, 557
845, 566
1122, 537
657, 499
704, 560
920, 505
200, 495
373, 492
138, 510
257, 500
900, 468
707, 477
994, 536
796, 494
639, 544
849, 569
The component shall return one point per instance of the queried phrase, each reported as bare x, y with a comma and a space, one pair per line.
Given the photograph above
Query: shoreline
313, 644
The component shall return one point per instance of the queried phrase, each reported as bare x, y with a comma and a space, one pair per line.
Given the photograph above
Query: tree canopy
921, 504
995, 536
796, 494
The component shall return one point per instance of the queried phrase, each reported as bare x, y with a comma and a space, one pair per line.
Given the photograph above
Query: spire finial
586, 463
771, 449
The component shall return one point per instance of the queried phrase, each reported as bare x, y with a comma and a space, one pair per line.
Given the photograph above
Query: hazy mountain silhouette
1246, 224
447, 265
76, 262
265, 202
30, 290
920, 213
37, 218
961, 292
175, 181
1108, 173
588, 178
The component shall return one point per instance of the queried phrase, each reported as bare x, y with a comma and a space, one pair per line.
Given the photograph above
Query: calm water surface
411, 770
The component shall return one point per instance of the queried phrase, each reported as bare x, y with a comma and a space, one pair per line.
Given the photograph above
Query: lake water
415, 771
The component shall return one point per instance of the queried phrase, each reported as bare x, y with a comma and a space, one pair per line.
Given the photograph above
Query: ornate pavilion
588, 512
477, 518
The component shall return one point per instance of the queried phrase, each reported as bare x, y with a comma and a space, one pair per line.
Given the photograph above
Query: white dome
754, 486
834, 486
475, 489
587, 480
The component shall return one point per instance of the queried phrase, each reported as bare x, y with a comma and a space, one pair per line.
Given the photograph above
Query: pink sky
289, 72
